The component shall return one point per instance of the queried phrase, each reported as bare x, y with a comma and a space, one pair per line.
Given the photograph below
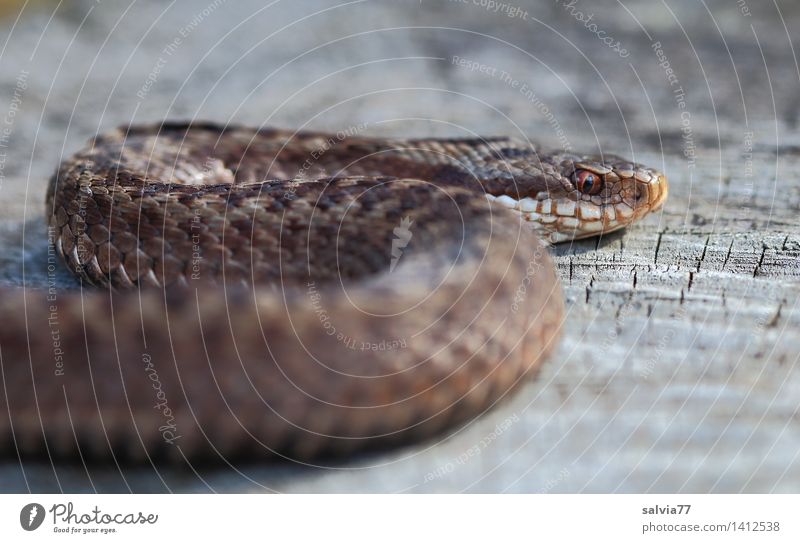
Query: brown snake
298, 294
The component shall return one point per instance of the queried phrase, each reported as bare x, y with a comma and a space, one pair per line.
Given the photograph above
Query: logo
402, 235
31, 516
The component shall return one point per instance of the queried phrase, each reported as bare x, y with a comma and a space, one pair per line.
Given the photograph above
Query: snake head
567, 196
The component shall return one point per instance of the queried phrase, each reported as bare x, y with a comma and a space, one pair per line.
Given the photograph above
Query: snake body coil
294, 293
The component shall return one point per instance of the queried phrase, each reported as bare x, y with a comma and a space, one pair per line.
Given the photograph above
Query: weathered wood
679, 367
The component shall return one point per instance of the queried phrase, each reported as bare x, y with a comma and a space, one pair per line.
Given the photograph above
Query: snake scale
300, 294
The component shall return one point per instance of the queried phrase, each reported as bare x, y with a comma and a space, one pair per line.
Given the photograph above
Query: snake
255, 292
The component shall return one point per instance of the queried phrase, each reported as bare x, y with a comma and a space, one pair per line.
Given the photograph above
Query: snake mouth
658, 193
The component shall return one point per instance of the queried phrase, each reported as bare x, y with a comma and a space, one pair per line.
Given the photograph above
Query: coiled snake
298, 294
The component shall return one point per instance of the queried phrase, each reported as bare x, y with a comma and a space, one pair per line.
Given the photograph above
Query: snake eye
588, 182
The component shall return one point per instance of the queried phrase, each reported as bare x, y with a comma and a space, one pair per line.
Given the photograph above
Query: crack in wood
728, 254
658, 246
761, 259
703, 255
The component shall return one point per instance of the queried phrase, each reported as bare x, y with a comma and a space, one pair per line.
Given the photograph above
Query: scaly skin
293, 294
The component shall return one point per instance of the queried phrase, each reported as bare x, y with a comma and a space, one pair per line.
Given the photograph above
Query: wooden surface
679, 368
